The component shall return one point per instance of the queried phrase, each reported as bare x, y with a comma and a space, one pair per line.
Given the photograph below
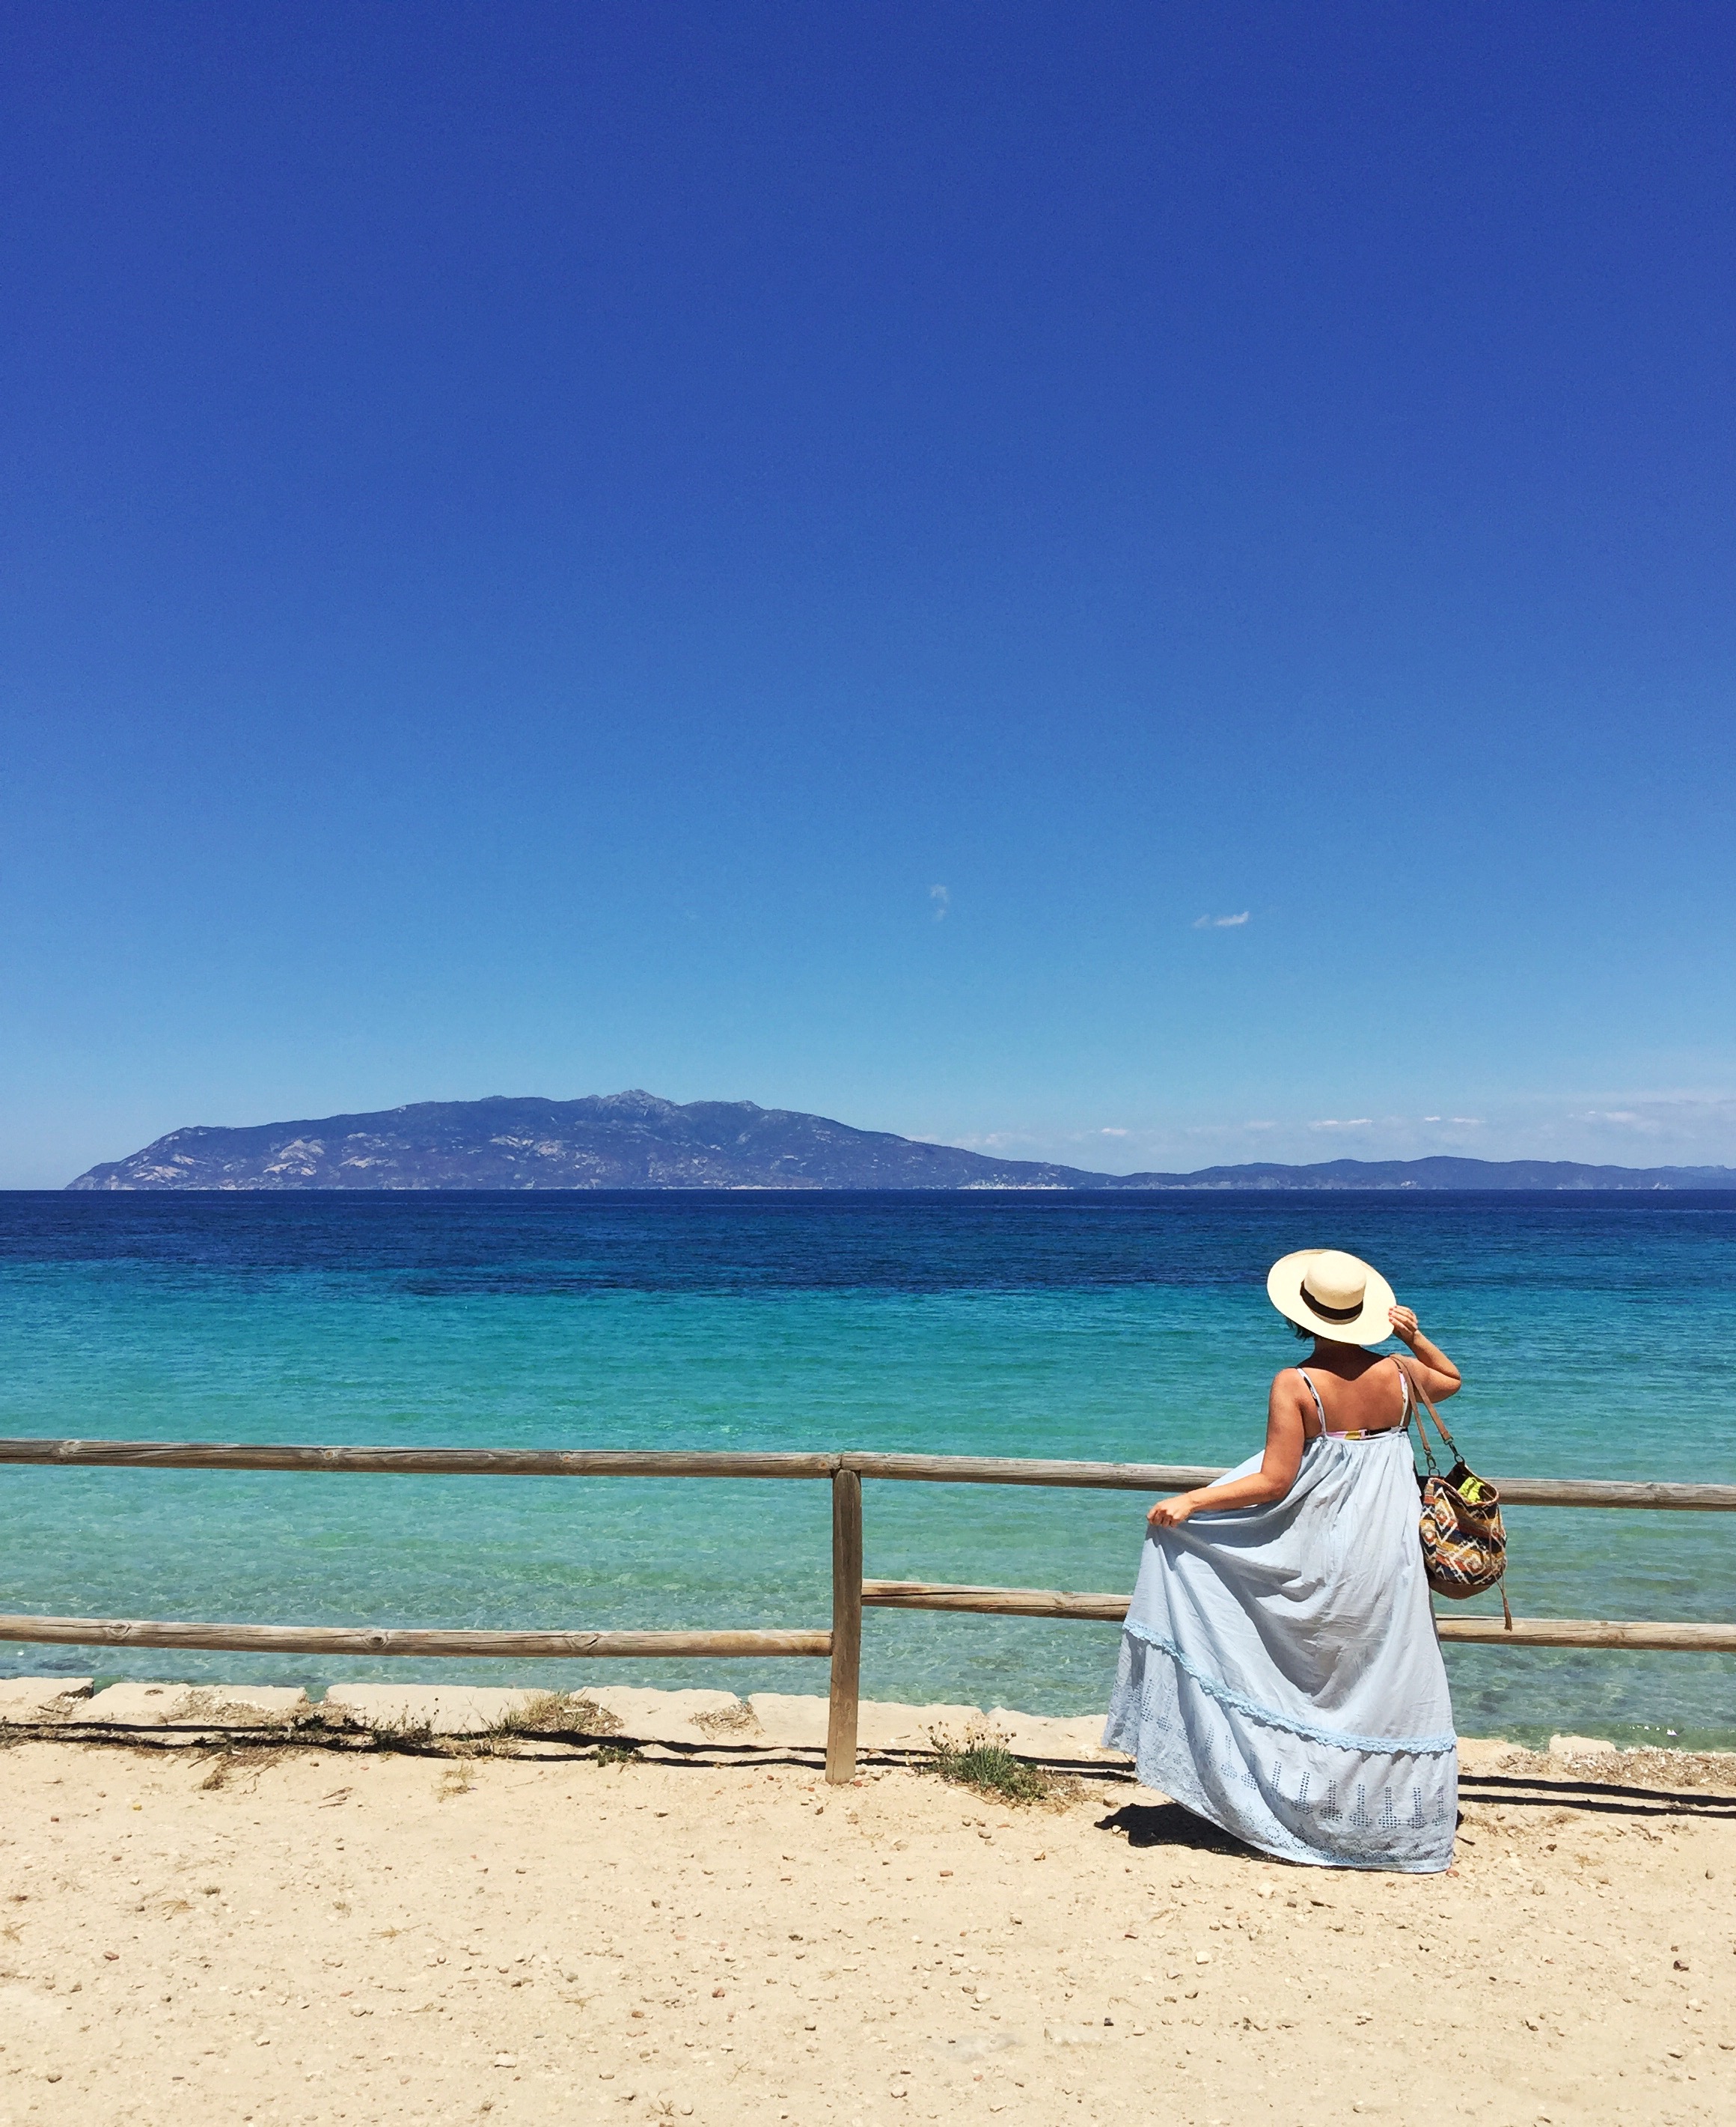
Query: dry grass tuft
200, 1705
558, 1713
727, 1720
980, 1759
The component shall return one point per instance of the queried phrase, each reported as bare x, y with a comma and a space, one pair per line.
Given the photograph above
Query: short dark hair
1300, 1329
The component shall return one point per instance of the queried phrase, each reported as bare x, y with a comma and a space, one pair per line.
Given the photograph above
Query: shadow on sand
1168, 1824
1599, 1797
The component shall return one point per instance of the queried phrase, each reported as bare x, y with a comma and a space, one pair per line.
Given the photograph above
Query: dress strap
1318, 1405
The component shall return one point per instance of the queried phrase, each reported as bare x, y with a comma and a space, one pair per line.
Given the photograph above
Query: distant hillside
635, 1141
1439, 1173
609, 1141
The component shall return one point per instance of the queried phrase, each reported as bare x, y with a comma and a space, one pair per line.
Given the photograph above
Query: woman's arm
1284, 1440
1440, 1376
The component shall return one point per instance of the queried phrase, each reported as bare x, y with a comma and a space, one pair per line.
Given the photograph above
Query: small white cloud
1470, 1122
1109, 1131
1348, 1122
1220, 922
1431, 1119
942, 900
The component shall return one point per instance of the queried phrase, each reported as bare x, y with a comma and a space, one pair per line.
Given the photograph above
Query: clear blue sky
795, 552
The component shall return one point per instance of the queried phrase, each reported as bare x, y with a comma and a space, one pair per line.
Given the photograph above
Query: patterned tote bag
1464, 1544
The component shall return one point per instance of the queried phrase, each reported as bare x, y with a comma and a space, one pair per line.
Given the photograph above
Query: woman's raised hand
1425, 1352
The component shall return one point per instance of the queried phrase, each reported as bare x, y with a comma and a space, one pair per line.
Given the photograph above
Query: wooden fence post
840, 1725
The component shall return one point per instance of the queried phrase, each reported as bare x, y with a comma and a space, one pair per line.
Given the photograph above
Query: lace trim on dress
1387, 1746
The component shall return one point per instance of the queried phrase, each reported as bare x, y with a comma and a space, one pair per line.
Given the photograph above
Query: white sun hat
1337, 1296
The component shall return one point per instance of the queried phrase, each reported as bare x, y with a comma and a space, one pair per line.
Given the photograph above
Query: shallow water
1596, 1333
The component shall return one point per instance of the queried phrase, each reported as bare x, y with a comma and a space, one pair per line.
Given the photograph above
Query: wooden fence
842, 1644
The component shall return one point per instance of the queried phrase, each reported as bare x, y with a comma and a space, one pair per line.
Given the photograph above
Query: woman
1280, 1672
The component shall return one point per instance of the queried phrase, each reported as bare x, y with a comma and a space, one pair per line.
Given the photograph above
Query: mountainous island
634, 1140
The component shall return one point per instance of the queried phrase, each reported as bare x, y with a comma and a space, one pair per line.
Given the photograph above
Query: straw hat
1337, 1296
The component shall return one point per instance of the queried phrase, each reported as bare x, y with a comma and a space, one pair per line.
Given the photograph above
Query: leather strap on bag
1447, 1440
1457, 1464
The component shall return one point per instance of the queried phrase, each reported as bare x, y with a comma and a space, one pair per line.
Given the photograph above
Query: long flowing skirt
1279, 1673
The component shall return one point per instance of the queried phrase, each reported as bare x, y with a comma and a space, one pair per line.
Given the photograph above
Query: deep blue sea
1597, 1335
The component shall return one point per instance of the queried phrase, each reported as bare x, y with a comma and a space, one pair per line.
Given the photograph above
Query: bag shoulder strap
1422, 1404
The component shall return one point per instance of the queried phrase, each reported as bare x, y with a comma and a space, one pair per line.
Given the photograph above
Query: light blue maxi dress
1280, 1672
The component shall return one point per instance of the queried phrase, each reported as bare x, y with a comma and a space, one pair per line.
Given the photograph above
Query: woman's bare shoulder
1387, 1373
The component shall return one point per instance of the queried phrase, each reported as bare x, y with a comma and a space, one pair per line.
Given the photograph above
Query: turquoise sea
1597, 1334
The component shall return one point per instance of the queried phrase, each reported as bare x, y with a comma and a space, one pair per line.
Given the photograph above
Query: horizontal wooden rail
413, 1461
992, 1601
1614, 1492
1588, 1632
1183, 1477
1026, 1469
909, 1469
1477, 1630
385, 1639
600, 1462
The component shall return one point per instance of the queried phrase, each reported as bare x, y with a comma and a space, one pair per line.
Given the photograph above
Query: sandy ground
272, 1932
